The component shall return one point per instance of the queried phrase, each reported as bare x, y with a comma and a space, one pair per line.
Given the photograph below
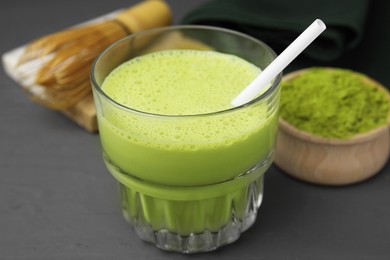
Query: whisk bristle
64, 75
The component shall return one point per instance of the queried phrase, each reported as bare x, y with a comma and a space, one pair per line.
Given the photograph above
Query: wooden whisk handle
146, 15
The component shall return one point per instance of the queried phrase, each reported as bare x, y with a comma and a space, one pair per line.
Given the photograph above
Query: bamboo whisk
61, 62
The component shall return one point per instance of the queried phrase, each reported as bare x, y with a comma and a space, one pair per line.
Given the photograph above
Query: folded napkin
279, 22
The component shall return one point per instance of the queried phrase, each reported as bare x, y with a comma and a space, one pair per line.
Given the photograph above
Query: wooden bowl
327, 161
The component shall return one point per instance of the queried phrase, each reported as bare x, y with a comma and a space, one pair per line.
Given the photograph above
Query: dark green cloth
279, 22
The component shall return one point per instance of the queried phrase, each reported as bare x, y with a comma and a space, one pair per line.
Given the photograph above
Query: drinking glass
177, 193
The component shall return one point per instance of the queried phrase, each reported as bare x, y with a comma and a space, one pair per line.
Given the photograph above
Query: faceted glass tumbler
177, 197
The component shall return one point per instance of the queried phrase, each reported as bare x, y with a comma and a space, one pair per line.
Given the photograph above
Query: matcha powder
333, 103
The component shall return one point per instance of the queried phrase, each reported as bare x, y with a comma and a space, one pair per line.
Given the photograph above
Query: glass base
192, 219
204, 241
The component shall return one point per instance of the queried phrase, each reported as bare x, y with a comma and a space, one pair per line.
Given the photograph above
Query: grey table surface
57, 200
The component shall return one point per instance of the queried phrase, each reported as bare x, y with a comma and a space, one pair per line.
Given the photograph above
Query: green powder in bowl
333, 103
334, 126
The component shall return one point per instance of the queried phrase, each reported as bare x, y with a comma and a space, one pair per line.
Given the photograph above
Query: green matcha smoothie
185, 151
189, 165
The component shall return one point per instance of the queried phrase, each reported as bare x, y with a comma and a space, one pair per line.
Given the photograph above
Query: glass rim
96, 86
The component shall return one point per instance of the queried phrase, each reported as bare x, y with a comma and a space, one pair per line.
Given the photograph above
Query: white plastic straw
261, 83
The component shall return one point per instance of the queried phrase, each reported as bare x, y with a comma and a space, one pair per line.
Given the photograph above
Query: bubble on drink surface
173, 82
